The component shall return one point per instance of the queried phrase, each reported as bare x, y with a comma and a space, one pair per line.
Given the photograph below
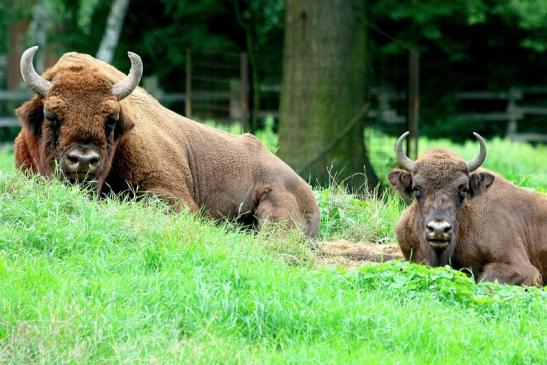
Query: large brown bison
469, 217
90, 123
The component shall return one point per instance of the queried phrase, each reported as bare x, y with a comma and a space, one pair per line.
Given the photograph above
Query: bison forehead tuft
440, 170
79, 81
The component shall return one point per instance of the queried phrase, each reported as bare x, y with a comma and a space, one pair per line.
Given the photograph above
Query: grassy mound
85, 281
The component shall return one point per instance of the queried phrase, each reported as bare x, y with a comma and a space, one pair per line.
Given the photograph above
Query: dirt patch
351, 254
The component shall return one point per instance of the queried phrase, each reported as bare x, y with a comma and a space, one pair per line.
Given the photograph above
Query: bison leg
279, 206
511, 274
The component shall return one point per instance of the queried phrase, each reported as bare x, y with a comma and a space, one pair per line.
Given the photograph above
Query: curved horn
477, 161
36, 82
404, 161
123, 88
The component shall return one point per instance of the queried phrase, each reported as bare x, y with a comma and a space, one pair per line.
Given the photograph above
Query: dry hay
354, 254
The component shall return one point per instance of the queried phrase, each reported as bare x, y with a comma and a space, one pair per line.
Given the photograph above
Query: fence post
413, 103
188, 93
512, 113
244, 91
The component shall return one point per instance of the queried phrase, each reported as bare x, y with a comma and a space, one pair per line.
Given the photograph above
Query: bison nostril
93, 160
73, 158
447, 229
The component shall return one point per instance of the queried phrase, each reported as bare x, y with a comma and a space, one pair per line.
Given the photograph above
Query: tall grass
368, 217
86, 281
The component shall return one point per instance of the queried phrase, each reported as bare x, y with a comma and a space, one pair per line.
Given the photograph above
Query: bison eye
110, 124
464, 191
51, 119
417, 192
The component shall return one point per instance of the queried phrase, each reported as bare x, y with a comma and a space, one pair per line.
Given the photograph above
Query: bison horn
477, 161
36, 82
404, 161
123, 88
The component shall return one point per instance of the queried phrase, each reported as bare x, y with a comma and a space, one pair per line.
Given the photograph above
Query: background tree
113, 29
324, 91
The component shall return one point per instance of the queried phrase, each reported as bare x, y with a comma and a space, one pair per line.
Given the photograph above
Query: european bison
90, 123
469, 217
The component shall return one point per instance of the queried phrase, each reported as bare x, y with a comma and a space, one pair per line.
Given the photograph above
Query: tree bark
324, 89
113, 29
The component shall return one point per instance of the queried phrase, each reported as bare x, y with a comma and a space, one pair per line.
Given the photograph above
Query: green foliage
85, 14
531, 16
443, 284
261, 17
424, 20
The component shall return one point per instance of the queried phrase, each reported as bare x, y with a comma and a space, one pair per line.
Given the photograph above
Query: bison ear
479, 182
31, 115
401, 180
124, 125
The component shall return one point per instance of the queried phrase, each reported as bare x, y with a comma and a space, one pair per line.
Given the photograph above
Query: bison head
440, 183
76, 120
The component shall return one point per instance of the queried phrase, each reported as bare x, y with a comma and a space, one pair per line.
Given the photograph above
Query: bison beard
490, 226
95, 124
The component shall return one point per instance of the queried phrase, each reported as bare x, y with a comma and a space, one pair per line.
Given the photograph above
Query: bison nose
81, 160
438, 230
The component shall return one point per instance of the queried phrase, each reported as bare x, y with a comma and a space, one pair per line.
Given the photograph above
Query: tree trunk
113, 29
324, 89
17, 33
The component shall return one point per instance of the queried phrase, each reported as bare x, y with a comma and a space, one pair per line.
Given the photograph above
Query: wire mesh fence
218, 89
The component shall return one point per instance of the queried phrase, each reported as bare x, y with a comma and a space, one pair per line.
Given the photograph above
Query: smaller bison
90, 123
468, 217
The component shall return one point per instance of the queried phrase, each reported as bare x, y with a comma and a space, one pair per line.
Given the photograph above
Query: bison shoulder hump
252, 141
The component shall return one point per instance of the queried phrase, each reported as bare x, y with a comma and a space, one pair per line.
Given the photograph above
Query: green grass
83, 281
6, 159
86, 281
367, 218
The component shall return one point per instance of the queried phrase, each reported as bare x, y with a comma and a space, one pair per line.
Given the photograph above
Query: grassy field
86, 281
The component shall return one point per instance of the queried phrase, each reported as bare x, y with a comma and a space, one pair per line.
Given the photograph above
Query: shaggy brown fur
500, 230
153, 149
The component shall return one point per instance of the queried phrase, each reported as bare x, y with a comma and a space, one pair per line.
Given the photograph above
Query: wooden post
188, 94
512, 113
413, 103
244, 91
